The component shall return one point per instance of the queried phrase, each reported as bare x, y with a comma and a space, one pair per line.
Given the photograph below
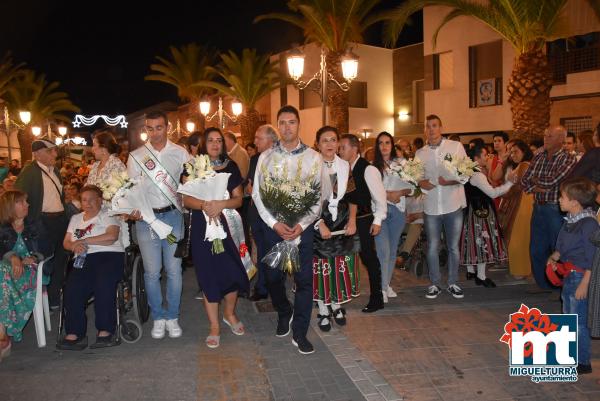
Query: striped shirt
547, 172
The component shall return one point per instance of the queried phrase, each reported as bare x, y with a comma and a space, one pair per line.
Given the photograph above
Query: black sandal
106, 341
324, 327
72, 345
336, 316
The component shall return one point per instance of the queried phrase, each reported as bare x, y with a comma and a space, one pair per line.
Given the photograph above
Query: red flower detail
524, 321
243, 249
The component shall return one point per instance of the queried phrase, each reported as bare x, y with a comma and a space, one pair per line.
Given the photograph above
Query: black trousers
276, 278
54, 227
368, 256
100, 275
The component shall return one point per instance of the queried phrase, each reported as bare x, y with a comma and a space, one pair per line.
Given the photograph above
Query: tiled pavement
415, 349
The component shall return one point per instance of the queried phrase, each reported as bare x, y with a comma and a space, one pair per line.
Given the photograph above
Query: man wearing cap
41, 180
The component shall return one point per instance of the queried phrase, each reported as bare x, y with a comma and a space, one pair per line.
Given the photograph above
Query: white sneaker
385, 297
158, 330
173, 328
391, 293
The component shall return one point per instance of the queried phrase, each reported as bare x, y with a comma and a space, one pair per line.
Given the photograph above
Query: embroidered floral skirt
17, 298
336, 279
481, 240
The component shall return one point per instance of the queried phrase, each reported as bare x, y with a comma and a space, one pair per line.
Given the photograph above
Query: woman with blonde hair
18, 267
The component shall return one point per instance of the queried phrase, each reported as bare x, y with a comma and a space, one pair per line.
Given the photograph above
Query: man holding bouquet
292, 164
443, 205
160, 164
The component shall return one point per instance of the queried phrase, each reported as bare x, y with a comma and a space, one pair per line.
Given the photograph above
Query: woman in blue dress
221, 275
18, 267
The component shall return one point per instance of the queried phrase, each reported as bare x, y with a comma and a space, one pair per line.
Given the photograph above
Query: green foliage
8, 72
185, 66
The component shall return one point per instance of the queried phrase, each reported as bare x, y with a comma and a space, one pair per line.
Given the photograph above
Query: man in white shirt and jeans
443, 206
157, 252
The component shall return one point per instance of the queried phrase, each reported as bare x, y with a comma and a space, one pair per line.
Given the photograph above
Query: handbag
183, 245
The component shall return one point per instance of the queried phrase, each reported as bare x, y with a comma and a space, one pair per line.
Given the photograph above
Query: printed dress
336, 275
481, 240
17, 296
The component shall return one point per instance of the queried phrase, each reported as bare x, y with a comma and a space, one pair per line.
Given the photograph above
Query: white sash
160, 177
342, 168
234, 222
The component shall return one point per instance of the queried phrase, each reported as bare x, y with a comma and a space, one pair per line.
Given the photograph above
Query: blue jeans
387, 241
580, 308
546, 222
157, 253
452, 225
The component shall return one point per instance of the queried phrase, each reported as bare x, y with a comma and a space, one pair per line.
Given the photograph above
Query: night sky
101, 54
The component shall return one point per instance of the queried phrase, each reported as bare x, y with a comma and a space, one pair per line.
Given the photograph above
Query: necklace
329, 163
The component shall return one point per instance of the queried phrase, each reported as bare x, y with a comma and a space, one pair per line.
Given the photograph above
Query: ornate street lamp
9, 124
321, 79
236, 109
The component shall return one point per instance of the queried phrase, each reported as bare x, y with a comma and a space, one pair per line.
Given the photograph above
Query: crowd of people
531, 206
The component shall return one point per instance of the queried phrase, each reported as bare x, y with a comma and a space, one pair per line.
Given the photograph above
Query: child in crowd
574, 246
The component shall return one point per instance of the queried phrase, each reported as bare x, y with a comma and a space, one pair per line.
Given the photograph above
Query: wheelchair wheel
140, 301
130, 331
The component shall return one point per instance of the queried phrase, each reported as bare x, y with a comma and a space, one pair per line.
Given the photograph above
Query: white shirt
480, 181
442, 199
51, 202
171, 157
80, 229
377, 191
278, 159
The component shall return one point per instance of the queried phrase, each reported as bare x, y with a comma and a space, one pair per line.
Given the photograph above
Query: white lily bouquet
461, 168
410, 171
126, 195
288, 199
204, 183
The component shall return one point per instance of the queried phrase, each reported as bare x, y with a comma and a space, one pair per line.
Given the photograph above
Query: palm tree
185, 66
30, 91
333, 25
526, 25
248, 78
8, 72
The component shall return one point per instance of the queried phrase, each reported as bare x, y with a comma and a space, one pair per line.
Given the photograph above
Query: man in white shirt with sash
160, 163
288, 151
443, 206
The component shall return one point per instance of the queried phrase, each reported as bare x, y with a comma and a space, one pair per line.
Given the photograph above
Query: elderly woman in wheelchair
93, 237
18, 267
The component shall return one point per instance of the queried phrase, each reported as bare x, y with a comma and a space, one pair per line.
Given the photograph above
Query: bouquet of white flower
126, 195
288, 199
411, 171
460, 168
204, 183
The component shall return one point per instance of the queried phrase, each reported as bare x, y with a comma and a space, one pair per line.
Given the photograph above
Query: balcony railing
577, 60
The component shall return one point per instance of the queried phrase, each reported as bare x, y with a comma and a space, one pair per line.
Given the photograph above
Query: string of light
79, 119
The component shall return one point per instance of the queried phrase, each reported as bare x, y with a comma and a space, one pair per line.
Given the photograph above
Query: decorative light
76, 141
404, 115
25, 116
143, 136
36, 131
190, 126
205, 107
62, 130
295, 62
79, 119
349, 66
58, 141
236, 107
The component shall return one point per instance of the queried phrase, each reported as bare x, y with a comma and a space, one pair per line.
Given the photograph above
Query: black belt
53, 214
164, 209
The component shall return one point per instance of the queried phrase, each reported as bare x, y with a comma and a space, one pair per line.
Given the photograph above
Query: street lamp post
236, 108
320, 81
25, 117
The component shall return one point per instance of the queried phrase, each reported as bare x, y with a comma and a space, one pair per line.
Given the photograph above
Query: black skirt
339, 244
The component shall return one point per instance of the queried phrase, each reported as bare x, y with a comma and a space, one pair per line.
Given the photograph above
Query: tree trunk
249, 123
25, 140
337, 99
529, 95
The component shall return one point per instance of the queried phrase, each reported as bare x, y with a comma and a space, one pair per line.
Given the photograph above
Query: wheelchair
416, 262
132, 302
